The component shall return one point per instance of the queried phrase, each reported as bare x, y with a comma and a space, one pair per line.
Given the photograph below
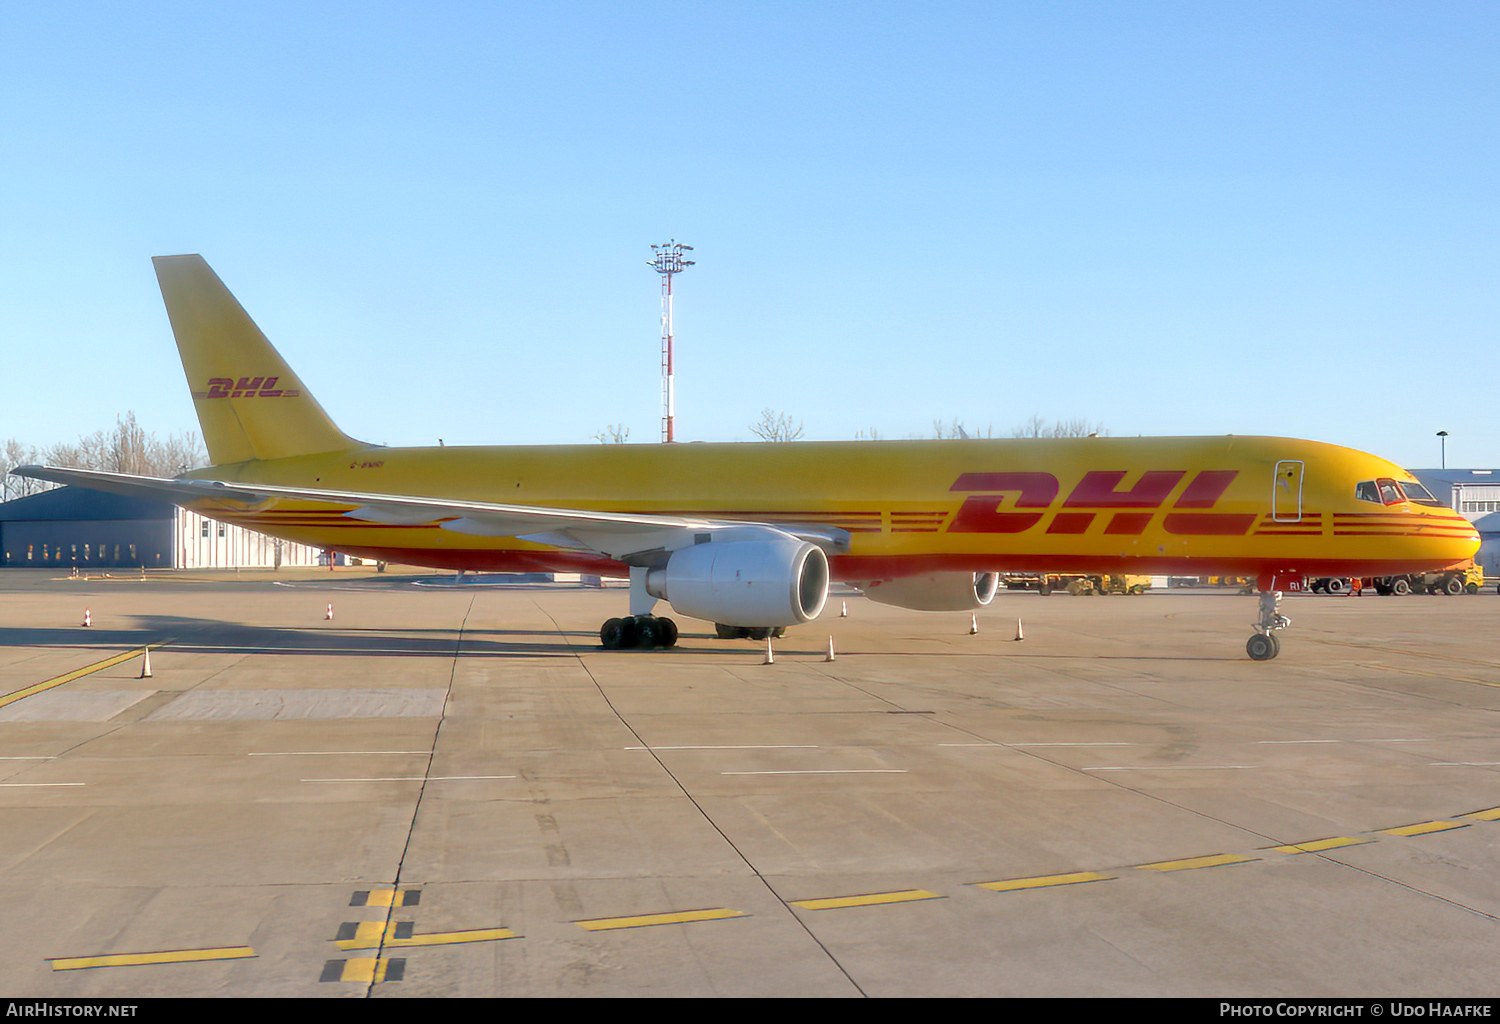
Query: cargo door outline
1286, 491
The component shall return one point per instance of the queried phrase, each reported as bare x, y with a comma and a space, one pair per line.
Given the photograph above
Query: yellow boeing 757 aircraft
749, 536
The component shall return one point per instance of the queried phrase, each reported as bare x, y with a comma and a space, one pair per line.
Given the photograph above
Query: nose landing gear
1264, 645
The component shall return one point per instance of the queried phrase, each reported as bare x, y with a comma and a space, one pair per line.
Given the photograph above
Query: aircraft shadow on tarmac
211, 636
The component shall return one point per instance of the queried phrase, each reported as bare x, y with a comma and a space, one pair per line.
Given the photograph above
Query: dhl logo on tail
246, 387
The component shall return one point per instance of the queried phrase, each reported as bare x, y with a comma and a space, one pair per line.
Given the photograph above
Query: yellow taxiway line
647, 920
77, 673
169, 956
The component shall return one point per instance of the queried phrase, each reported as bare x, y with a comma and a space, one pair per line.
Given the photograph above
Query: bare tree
14, 454
614, 433
1036, 426
776, 426
126, 449
957, 431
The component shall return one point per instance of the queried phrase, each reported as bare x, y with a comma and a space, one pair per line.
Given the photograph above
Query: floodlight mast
667, 261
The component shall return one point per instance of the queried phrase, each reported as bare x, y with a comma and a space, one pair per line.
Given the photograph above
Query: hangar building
74, 527
1475, 494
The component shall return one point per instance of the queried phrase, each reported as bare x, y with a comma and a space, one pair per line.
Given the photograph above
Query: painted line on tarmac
169, 956
1193, 863
355, 935
870, 899
826, 771
741, 746
1319, 845
1173, 768
78, 673
604, 924
1045, 881
334, 753
365, 970
387, 897
421, 778
1424, 828
1225, 859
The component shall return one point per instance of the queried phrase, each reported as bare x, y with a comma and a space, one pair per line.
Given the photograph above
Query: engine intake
936, 592
745, 583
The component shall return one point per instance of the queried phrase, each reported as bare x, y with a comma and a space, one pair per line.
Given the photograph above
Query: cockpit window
1421, 495
1382, 492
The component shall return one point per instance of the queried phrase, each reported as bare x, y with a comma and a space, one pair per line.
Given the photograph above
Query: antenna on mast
666, 261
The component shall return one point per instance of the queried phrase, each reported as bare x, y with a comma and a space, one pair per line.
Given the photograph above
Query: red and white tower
666, 262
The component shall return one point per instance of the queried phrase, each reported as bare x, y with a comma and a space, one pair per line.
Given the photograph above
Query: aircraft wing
629, 537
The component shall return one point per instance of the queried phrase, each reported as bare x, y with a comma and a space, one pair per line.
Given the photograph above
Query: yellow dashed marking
645, 921
386, 898
365, 970
398, 934
365, 935
1423, 828
1044, 881
1320, 844
168, 956
866, 900
450, 938
1196, 862
1493, 814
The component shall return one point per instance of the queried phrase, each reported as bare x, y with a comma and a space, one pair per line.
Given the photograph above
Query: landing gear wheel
643, 631
611, 633
1263, 647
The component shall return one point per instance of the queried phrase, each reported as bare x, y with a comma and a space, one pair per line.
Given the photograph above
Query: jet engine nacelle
936, 592
746, 582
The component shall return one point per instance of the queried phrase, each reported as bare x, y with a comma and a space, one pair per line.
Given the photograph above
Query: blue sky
1165, 218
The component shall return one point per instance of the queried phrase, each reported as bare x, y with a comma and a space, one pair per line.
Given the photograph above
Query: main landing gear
1264, 645
643, 631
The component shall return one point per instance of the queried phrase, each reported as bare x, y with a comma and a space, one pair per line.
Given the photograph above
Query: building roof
82, 504
1457, 476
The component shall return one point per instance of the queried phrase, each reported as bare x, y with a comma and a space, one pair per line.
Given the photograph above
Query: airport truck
1454, 580
1105, 584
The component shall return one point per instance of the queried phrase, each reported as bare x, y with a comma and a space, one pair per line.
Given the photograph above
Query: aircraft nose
1466, 541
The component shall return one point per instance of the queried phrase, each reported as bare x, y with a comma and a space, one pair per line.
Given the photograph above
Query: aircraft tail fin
250, 404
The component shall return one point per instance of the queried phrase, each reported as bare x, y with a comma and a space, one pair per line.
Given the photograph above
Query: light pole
1443, 445
666, 262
